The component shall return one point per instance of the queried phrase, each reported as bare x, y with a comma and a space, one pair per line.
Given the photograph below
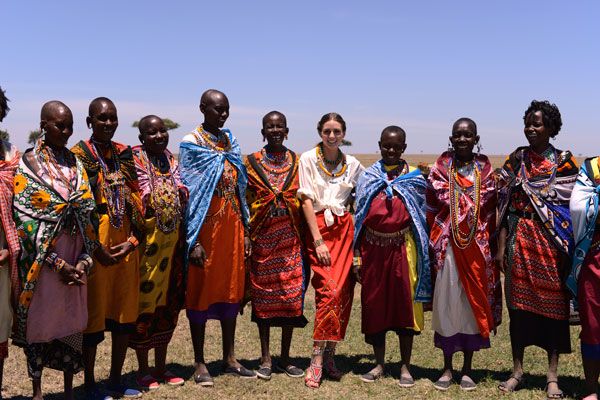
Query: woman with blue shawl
391, 252
216, 232
584, 280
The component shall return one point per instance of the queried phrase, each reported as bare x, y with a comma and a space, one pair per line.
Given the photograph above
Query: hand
104, 257
183, 196
356, 272
121, 250
4, 254
198, 255
499, 260
247, 246
323, 255
70, 275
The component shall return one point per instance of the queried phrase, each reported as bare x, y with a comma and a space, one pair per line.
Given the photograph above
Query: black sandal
503, 386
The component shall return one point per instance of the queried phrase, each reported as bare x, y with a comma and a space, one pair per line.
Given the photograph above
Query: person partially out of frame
56, 224
277, 277
391, 252
114, 285
327, 178
535, 243
461, 213
584, 279
217, 237
9, 241
161, 266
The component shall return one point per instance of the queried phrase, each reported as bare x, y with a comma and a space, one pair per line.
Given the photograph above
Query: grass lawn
355, 357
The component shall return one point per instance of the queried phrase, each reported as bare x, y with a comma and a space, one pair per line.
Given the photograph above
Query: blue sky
420, 65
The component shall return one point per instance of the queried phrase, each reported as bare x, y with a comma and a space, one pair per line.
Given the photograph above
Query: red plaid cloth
7, 173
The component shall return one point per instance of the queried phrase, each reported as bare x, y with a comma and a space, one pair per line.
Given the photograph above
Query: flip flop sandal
503, 386
556, 395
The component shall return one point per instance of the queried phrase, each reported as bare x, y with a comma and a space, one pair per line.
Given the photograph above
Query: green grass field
354, 357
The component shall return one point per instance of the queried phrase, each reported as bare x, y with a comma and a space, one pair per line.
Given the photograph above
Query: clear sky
417, 64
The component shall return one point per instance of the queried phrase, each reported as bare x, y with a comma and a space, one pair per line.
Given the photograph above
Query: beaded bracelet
133, 240
55, 263
87, 261
318, 242
357, 261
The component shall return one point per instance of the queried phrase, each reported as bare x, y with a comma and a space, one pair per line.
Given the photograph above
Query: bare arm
311, 219
501, 248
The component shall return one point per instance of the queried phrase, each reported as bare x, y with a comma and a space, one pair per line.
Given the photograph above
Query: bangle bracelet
357, 261
318, 242
133, 240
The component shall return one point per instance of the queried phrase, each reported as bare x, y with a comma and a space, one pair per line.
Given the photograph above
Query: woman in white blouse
327, 177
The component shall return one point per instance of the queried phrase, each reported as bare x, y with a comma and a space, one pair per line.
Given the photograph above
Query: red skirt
334, 287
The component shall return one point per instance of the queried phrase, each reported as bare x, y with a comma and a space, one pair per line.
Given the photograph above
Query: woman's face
58, 127
537, 134
332, 134
463, 139
391, 147
103, 121
155, 136
275, 130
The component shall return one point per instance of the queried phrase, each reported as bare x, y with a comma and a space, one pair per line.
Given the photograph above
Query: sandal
504, 387
313, 377
555, 395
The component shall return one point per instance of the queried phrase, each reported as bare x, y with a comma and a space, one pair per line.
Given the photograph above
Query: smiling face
154, 135
537, 134
391, 146
464, 138
332, 134
274, 129
103, 120
57, 124
215, 108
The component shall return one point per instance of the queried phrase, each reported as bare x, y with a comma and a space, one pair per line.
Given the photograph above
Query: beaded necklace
206, 139
321, 159
113, 185
462, 239
46, 157
164, 194
276, 163
395, 170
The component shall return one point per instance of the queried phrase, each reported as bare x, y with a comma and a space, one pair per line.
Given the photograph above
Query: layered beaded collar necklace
277, 163
544, 186
461, 238
321, 161
113, 184
207, 139
47, 160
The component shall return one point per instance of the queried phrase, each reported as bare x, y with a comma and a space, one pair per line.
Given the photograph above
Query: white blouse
326, 192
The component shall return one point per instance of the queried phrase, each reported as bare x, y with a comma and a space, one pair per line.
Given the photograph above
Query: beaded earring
449, 145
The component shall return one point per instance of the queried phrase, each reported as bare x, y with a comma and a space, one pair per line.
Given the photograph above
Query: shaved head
272, 114
466, 120
52, 108
146, 121
4, 109
211, 95
97, 104
393, 129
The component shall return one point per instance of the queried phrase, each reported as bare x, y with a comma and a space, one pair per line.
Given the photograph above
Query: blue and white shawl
584, 213
201, 169
411, 188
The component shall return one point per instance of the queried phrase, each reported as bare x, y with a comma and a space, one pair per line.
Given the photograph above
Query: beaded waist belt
384, 239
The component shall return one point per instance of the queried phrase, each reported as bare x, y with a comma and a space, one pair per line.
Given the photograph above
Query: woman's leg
286, 343
197, 332
591, 370
160, 360
329, 361
228, 334
142, 357
37, 388
552, 388
406, 345
264, 332
68, 376
467, 363
314, 373
117, 359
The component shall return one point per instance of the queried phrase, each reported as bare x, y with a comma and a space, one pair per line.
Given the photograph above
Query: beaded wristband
133, 240
357, 261
318, 242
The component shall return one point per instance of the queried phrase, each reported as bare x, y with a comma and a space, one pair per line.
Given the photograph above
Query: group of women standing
121, 239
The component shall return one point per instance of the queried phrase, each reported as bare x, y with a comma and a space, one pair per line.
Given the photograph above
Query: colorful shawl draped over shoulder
438, 217
411, 188
201, 169
143, 174
584, 214
261, 195
7, 174
40, 214
83, 151
552, 206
